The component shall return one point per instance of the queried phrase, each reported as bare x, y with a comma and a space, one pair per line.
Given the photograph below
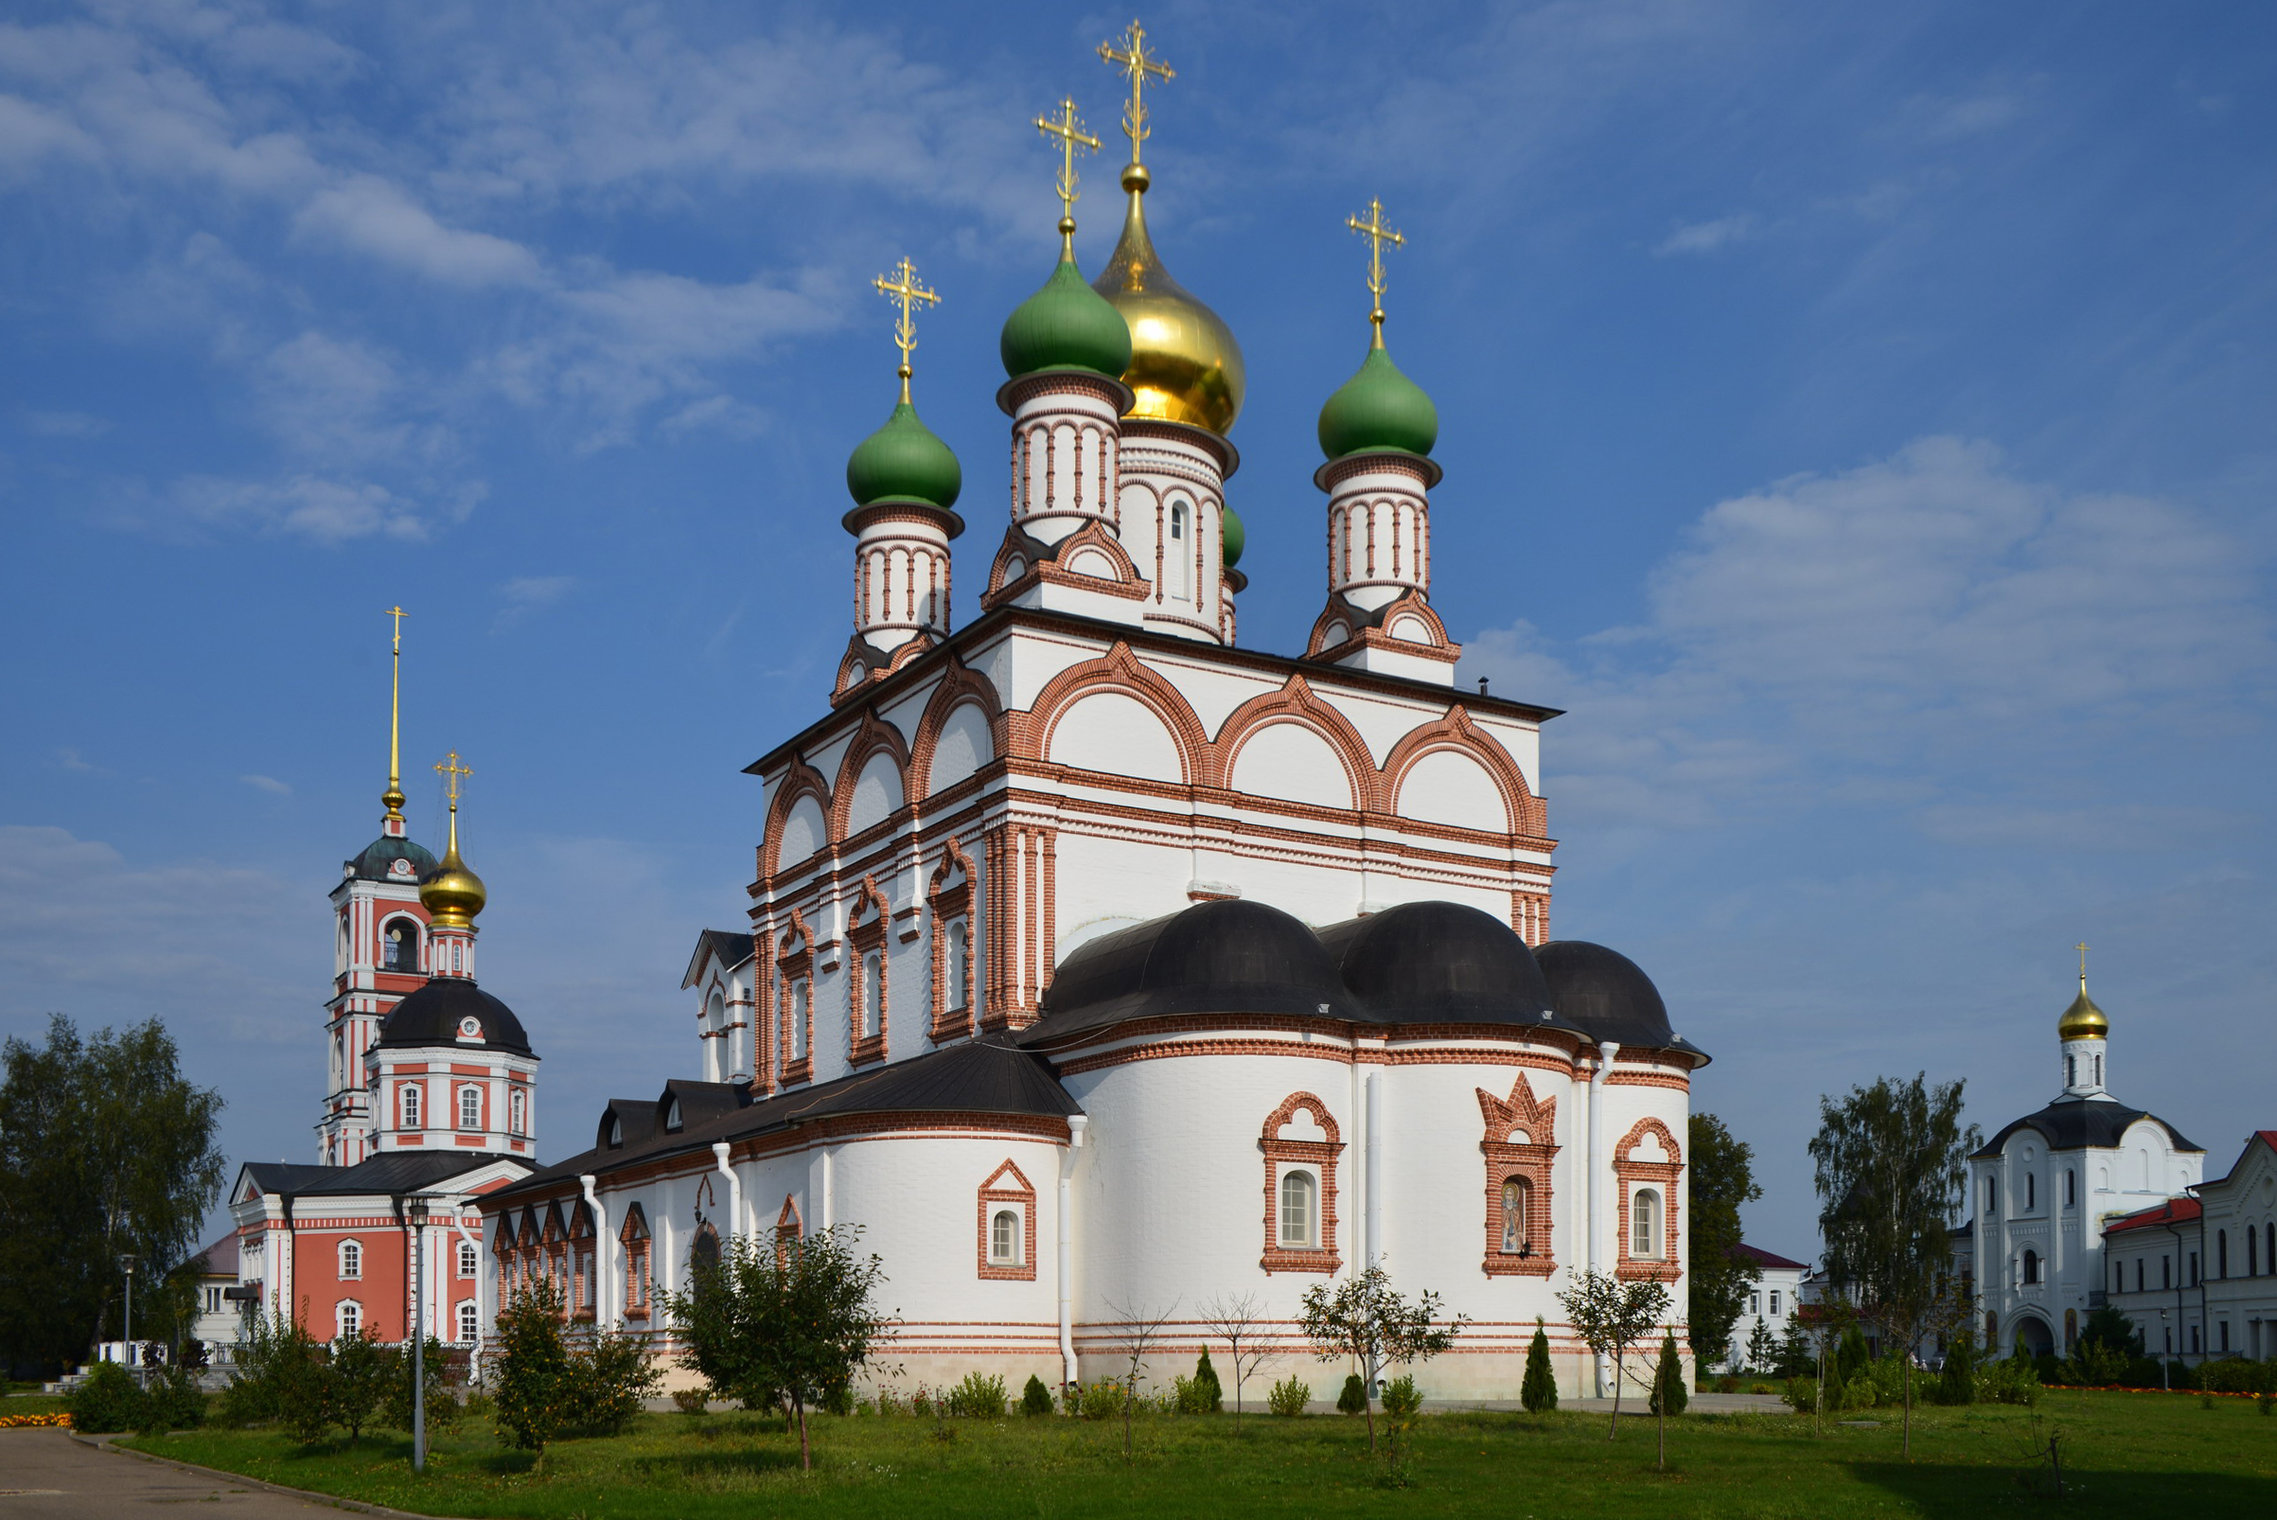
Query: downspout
1076, 1125
734, 1191
474, 1357
1605, 1054
1375, 1167
603, 1244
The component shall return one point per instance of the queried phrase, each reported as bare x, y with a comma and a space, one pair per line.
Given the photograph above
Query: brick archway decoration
866, 936
1008, 1184
1028, 734
1321, 1156
1663, 1175
949, 896
1296, 703
1524, 813
1519, 1145
786, 964
873, 736
959, 684
801, 780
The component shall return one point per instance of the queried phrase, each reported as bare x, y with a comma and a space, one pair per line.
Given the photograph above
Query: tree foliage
791, 1324
1612, 1316
1363, 1317
1891, 1170
104, 1150
1723, 1181
1539, 1391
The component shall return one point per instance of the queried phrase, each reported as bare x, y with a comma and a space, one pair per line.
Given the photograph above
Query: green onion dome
1378, 408
1065, 325
1232, 535
903, 461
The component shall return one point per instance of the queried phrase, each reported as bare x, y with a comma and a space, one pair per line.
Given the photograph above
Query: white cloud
377, 218
327, 511
72, 760
1707, 237
526, 595
269, 784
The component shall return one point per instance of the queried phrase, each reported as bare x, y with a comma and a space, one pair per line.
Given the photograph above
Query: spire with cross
1377, 234
392, 798
905, 292
2081, 947
1068, 128
1136, 64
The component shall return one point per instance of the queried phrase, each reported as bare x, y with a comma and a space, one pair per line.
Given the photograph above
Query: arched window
1175, 554
960, 964
2221, 1253
2071, 1189
351, 1260
348, 1317
1644, 1223
2031, 1191
470, 1108
470, 1260
2031, 1267
795, 1000
1514, 1200
2071, 1071
2252, 1253
873, 994
410, 1105
399, 946
1992, 1197
470, 1321
1004, 1238
1298, 1192
2098, 1071
518, 1111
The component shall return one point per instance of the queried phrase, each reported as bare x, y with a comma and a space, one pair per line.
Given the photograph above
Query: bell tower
380, 948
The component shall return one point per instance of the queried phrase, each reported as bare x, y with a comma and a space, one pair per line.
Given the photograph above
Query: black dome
1439, 963
431, 1016
1215, 957
1606, 994
377, 861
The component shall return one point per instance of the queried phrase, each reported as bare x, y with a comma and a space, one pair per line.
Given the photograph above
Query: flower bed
60, 1418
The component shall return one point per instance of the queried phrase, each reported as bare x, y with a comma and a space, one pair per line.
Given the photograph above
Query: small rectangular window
1774, 1303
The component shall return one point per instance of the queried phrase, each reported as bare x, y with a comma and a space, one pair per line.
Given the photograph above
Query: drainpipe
474, 1357
1375, 1167
734, 1190
602, 1243
1605, 1054
1076, 1125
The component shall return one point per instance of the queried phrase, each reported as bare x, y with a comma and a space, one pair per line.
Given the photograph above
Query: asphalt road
45, 1475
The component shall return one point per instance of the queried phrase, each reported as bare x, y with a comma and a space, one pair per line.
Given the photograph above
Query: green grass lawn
26, 1398
2125, 1454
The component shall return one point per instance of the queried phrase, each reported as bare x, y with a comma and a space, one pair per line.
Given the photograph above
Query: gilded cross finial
1069, 130
1135, 63
453, 774
1377, 234
392, 798
904, 291
2081, 947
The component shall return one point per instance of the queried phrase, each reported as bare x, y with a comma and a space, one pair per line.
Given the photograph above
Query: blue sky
1857, 415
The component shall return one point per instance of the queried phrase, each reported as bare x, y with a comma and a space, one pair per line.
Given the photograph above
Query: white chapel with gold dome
1098, 964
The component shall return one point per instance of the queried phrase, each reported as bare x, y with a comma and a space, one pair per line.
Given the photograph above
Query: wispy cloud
1707, 237
269, 784
527, 595
72, 760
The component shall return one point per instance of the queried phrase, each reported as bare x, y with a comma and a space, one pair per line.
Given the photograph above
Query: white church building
1099, 967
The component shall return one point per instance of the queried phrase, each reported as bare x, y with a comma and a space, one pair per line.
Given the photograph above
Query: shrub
608, 1378
1403, 1401
2010, 1380
436, 1366
977, 1398
277, 1363
1206, 1376
1801, 1394
1957, 1379
1186, 1396
362, 1369
108, 1400
1289, 1397
1669, 1395
532, 1375
1102, 1400
2235, 1374
173, 1401
1354, 1398
1035, 1399
1539, 1392
697, 1399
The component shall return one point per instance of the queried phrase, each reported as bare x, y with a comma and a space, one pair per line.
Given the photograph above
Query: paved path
45, 1475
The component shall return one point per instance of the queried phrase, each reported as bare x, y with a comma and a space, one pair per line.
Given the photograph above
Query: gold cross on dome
1069, 130
1135, 63
399, 615
904, 291
2081, 947
453, 774
1377, 234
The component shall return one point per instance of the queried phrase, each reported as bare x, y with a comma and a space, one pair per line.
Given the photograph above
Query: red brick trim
997, 1190
799, 780
1524, 813
1028, 734
866, 936
1321, 1156
958, 684
950, 900
1296, 703
1528, 1161
793, 964
1667, 1266
872, 736
790, 1229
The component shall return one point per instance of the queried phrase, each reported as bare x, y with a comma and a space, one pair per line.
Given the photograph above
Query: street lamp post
126, 1335
2165, 1378
418, 1213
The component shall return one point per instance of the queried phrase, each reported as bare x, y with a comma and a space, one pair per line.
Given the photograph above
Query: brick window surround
949, 896
789, 1228
794, 964
1007, 1184
1635, 1172
1321, 1157
634, 1235
865, 940
1518, 1147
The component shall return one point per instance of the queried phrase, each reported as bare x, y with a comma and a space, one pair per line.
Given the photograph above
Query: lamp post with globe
416, 1211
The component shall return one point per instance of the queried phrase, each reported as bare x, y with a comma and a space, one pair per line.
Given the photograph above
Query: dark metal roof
1607, 996
987, 1076
393, 1172
2072, 1124
372, 864
431, 1016
1233, 956
1772, 1259
1438, 963
732, 946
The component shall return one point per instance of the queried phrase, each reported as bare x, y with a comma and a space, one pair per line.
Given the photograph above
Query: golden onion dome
2083, 1020
1185, 365
452, 894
